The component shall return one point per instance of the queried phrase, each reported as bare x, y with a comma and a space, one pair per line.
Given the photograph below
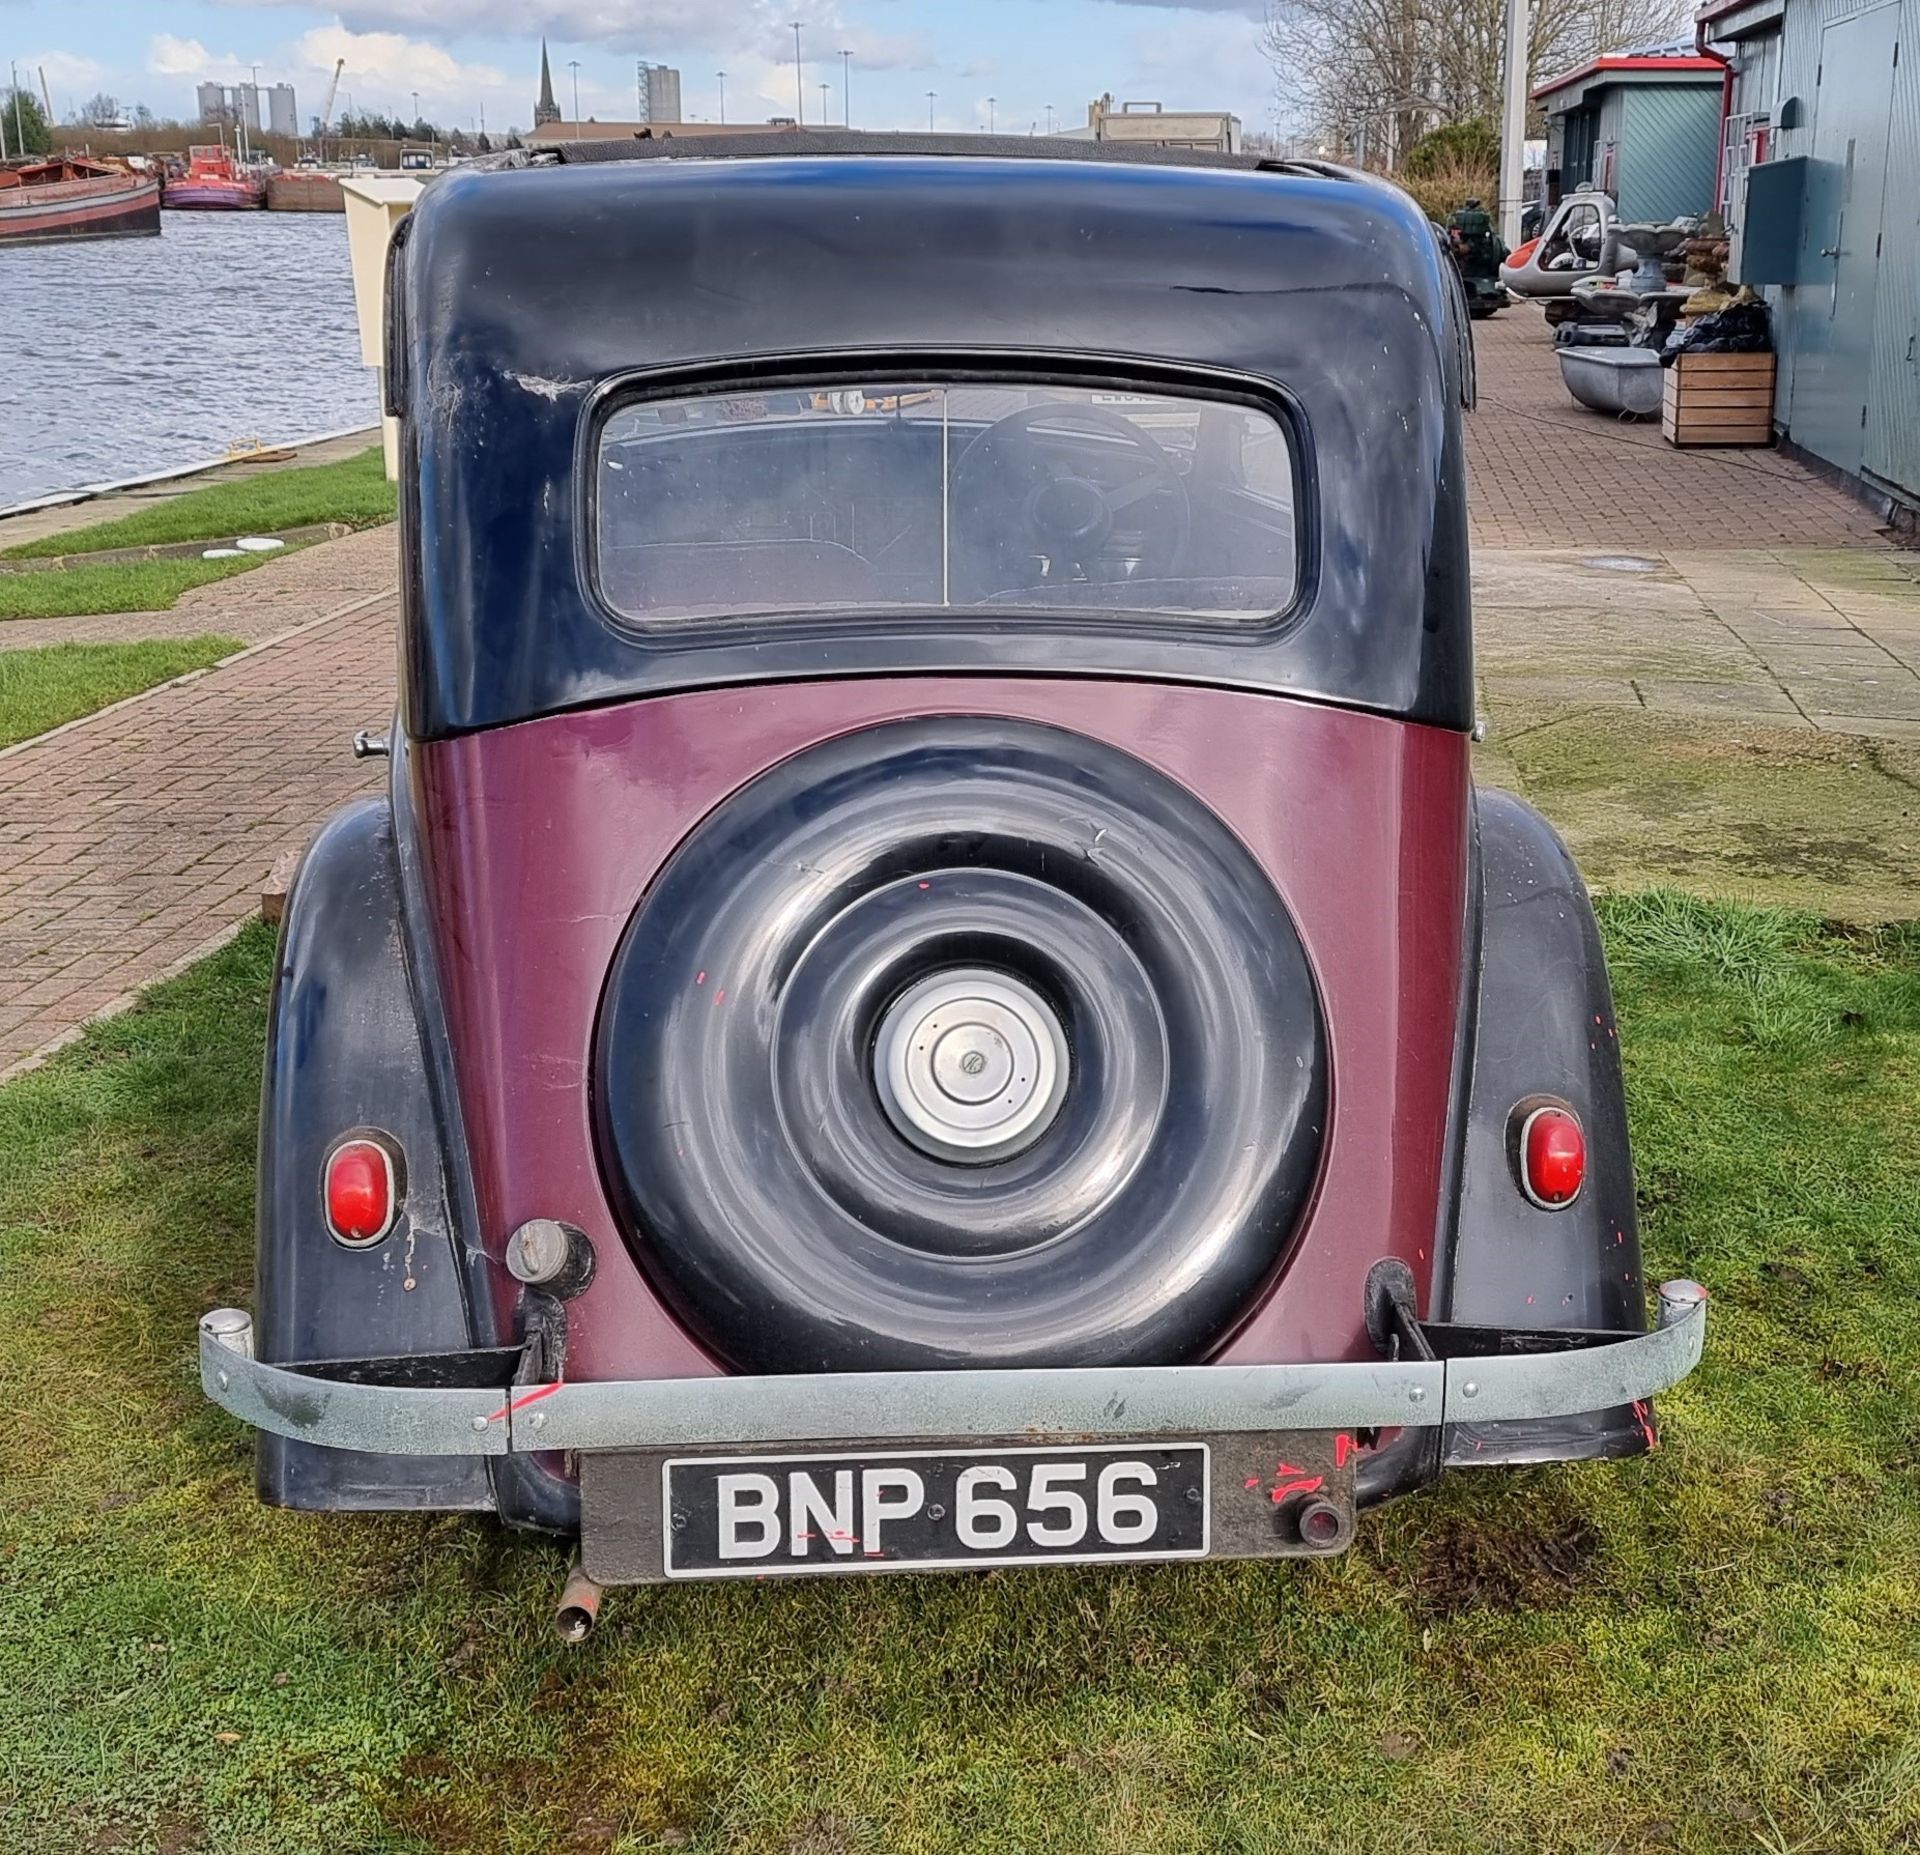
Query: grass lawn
354, 490
39, 689
127, 586
1714, 1648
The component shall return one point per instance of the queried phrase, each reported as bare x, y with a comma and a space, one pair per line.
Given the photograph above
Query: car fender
345, 1054
1542, 1028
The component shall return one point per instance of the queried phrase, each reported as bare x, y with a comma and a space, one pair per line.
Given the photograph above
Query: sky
469, 58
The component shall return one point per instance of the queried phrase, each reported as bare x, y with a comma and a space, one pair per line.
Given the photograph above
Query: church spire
546, 110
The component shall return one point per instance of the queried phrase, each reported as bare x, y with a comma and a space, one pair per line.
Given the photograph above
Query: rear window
922, 494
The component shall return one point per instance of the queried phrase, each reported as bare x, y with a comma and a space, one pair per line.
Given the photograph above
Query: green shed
1642, 125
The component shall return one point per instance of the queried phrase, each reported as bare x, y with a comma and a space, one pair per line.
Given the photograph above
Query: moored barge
72, 197
216, 182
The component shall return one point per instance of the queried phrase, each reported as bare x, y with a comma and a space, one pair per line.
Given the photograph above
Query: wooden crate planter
1718, 399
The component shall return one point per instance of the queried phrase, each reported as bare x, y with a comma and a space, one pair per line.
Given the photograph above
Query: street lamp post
722, 76
1513, 123
799, 79
990, 103
846, 90
931, 94
573, 64
1049, 118
826, 90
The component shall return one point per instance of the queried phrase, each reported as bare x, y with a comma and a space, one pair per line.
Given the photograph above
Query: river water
122, 356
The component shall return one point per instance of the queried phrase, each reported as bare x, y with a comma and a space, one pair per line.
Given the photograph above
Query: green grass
1714, 1648
354, 490
130, 586
39, 689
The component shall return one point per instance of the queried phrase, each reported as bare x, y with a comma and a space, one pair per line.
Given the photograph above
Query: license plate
760, 1516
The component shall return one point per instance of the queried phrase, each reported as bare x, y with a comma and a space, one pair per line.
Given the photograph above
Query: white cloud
1209, 61
398, 64
63, 70
763, 26
172, 57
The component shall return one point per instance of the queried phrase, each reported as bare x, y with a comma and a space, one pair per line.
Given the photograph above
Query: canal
132, 355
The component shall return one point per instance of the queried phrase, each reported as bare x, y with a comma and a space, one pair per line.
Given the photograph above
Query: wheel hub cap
971, 1064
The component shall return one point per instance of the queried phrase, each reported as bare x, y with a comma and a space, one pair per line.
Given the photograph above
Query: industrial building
658, 88
1642, 125
1821, 185
239, 106
1154, 125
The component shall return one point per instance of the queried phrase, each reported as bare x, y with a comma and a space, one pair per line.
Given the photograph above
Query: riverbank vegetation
40, 689
353, 491
1714, 1647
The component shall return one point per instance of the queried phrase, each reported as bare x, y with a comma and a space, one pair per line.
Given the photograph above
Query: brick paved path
1545, 472
136, 840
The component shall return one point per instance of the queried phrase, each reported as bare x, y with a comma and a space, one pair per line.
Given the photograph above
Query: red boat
70, 197
216, 182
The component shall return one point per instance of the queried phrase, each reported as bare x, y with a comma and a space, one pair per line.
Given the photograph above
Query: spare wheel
960, 1042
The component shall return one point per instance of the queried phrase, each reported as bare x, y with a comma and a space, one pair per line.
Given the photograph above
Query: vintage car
931, 986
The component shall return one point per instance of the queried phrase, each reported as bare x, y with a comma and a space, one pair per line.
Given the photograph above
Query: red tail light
1553, 1158
359, 1192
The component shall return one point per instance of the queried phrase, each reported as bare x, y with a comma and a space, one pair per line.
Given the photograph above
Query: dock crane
333, 90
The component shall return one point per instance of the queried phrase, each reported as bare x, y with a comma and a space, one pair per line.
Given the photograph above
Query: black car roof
777, 143
532, 293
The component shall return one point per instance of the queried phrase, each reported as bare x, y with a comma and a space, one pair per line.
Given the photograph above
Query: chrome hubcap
971, 1064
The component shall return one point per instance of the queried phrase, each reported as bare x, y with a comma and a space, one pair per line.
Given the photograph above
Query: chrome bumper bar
1127, 1401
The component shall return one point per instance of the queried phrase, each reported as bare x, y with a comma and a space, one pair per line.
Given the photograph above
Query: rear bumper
481, 1404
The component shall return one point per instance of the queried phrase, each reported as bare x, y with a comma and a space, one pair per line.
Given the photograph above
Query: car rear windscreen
923, 494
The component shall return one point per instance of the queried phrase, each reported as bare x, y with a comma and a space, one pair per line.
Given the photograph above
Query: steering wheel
1020, 502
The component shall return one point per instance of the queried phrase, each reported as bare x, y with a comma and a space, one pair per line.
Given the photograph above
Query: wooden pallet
1724, 399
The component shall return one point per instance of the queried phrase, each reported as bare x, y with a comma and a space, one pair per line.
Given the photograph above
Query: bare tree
100, 109
1372, 76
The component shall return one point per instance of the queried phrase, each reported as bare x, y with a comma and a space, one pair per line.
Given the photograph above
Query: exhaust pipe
579, 1606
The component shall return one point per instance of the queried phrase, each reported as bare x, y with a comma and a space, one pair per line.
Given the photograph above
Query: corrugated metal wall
1756, 74
1606, 140
1670, 149
1893, 394
1893, 390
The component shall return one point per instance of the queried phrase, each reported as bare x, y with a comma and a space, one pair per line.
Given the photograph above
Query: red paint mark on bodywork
1643, 1416
700, 978
720, 997
520, 1403
1307, 1484
1342, 1449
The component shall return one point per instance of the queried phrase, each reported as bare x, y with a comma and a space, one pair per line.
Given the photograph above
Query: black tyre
960, 1042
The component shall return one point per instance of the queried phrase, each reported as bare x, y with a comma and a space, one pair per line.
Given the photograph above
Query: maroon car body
932, 986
